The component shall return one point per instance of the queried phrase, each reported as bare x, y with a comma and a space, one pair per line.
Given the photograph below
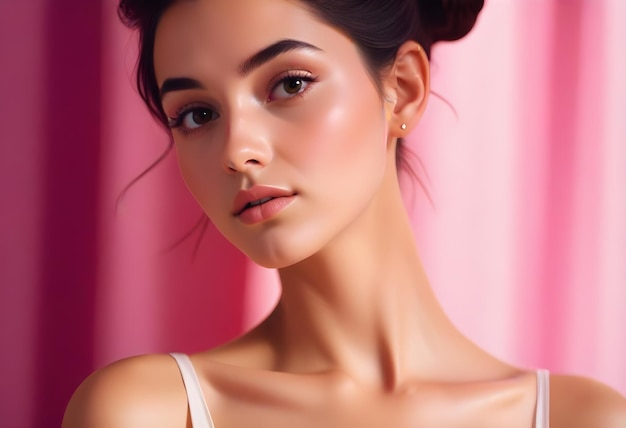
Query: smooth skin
357, 338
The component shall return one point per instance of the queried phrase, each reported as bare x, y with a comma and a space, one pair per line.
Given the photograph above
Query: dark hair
378, 28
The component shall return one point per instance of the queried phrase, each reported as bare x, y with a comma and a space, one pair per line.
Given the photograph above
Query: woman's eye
293, 86
290, 86
193, 118
198, 117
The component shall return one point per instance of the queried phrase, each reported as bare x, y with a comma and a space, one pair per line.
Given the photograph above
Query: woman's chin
275, 261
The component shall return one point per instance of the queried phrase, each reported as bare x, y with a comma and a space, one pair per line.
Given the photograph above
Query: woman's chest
341, 406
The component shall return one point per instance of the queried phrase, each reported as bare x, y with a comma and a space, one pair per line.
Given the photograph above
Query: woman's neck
363, 305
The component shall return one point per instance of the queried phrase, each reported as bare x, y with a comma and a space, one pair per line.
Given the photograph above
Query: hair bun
447, 20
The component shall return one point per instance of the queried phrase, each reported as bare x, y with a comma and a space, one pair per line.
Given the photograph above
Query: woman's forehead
195, 33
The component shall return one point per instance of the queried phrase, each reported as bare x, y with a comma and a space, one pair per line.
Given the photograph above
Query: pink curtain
524, 151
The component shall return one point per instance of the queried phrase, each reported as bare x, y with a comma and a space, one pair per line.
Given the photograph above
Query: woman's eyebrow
272, 51
179, 84
255, 61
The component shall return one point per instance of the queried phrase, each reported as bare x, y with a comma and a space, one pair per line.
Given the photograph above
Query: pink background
525, 241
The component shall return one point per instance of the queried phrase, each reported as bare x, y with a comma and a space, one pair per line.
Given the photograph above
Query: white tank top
201, 418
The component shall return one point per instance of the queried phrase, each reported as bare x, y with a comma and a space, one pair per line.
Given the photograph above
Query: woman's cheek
199, 170
329, 128
318, 131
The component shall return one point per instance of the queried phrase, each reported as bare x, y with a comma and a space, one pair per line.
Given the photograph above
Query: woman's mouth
256, 203
261, 203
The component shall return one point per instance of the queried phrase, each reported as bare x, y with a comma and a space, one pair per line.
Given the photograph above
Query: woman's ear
406, 86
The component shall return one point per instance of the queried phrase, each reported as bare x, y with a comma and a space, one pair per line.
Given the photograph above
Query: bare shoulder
145, 391
578, 402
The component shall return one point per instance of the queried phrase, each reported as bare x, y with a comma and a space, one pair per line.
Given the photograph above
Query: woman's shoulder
143, 391
582, 402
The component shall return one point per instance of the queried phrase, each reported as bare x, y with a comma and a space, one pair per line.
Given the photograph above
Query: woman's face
266, 101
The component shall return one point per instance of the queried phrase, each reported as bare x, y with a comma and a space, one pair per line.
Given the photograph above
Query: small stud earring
403, 126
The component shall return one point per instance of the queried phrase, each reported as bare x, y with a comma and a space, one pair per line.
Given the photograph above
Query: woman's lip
257, 194
265, 211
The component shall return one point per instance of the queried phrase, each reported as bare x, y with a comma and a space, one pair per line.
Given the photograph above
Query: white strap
542, 412
199, 411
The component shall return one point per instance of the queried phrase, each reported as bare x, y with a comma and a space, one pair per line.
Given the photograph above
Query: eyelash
177, 122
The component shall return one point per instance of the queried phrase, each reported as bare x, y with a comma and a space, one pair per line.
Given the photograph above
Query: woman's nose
247, 146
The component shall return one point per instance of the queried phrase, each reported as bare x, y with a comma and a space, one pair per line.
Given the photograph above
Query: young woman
287, 118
